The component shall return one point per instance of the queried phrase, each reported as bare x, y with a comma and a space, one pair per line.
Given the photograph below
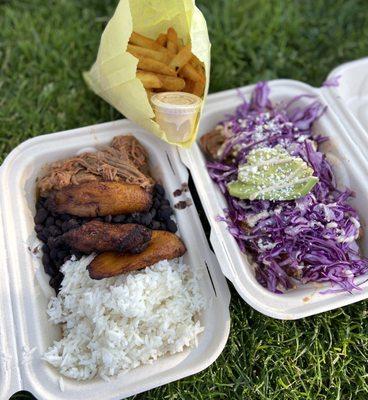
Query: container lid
349, 98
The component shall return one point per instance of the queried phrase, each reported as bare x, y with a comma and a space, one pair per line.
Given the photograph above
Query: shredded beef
125, 160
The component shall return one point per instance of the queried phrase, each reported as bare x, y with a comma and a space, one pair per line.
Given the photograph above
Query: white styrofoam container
349, 164
30, 293
9, 369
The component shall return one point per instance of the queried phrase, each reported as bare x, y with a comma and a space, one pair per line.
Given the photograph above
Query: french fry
162, 39
171, 83
172, 40
200, 69
143, 41
142, 52
196, 61
198, 88
149, 80
148, 64
189, 72
182, 58
189, 86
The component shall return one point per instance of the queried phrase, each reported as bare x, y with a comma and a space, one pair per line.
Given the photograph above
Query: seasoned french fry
171, 83
200, 69
149, 80
189, 86
148, 64
189, 72
196, 61
182, 58
172, 40
162, 39
198, 88
143, 41
142, 52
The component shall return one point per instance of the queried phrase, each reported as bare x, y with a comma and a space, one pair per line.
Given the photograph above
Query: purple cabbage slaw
311, 239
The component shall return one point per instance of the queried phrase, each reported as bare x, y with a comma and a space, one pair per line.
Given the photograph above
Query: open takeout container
346, 124
25, 332
25, 291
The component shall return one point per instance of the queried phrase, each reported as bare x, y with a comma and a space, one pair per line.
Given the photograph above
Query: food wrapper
113, 75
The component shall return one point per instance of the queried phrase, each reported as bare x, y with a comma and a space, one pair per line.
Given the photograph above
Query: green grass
45, 46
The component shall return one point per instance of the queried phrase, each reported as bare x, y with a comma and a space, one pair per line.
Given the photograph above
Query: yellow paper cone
113, 75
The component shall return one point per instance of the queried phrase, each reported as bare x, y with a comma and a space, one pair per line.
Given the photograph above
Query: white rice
119, 323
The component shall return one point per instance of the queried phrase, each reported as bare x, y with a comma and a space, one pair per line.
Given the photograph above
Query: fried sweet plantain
93, 199
97, 236
163, 246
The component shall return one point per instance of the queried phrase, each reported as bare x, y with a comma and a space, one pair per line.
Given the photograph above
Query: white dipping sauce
176, 113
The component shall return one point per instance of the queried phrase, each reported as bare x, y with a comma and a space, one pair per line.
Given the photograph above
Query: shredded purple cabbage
311, 239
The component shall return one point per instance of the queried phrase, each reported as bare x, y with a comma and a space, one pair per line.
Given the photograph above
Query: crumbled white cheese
252, 220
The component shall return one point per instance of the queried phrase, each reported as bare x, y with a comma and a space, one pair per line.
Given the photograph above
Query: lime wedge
273, 174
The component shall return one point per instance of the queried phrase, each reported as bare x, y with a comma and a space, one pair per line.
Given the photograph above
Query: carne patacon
97, 236
125, 160
163, 246
96, 199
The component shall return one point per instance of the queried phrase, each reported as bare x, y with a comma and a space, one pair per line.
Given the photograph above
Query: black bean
40, 202
159, 189
165, 202
45, 259
61, 254
73, 223
49, 221
42, 236
155, 225
171, 226
40, 216
108, 218
153, 212
156, 203
181, 205
146, 219
58, 222
50, 269
59, 241
54, 242
51, 242
55, 281
54, 230
58, 262
164, 213
162, 226
53, 254
45, 248
118, 219
68, 225
64, 217
38, 228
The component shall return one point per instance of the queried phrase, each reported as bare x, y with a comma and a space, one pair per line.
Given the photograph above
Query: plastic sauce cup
176, 113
